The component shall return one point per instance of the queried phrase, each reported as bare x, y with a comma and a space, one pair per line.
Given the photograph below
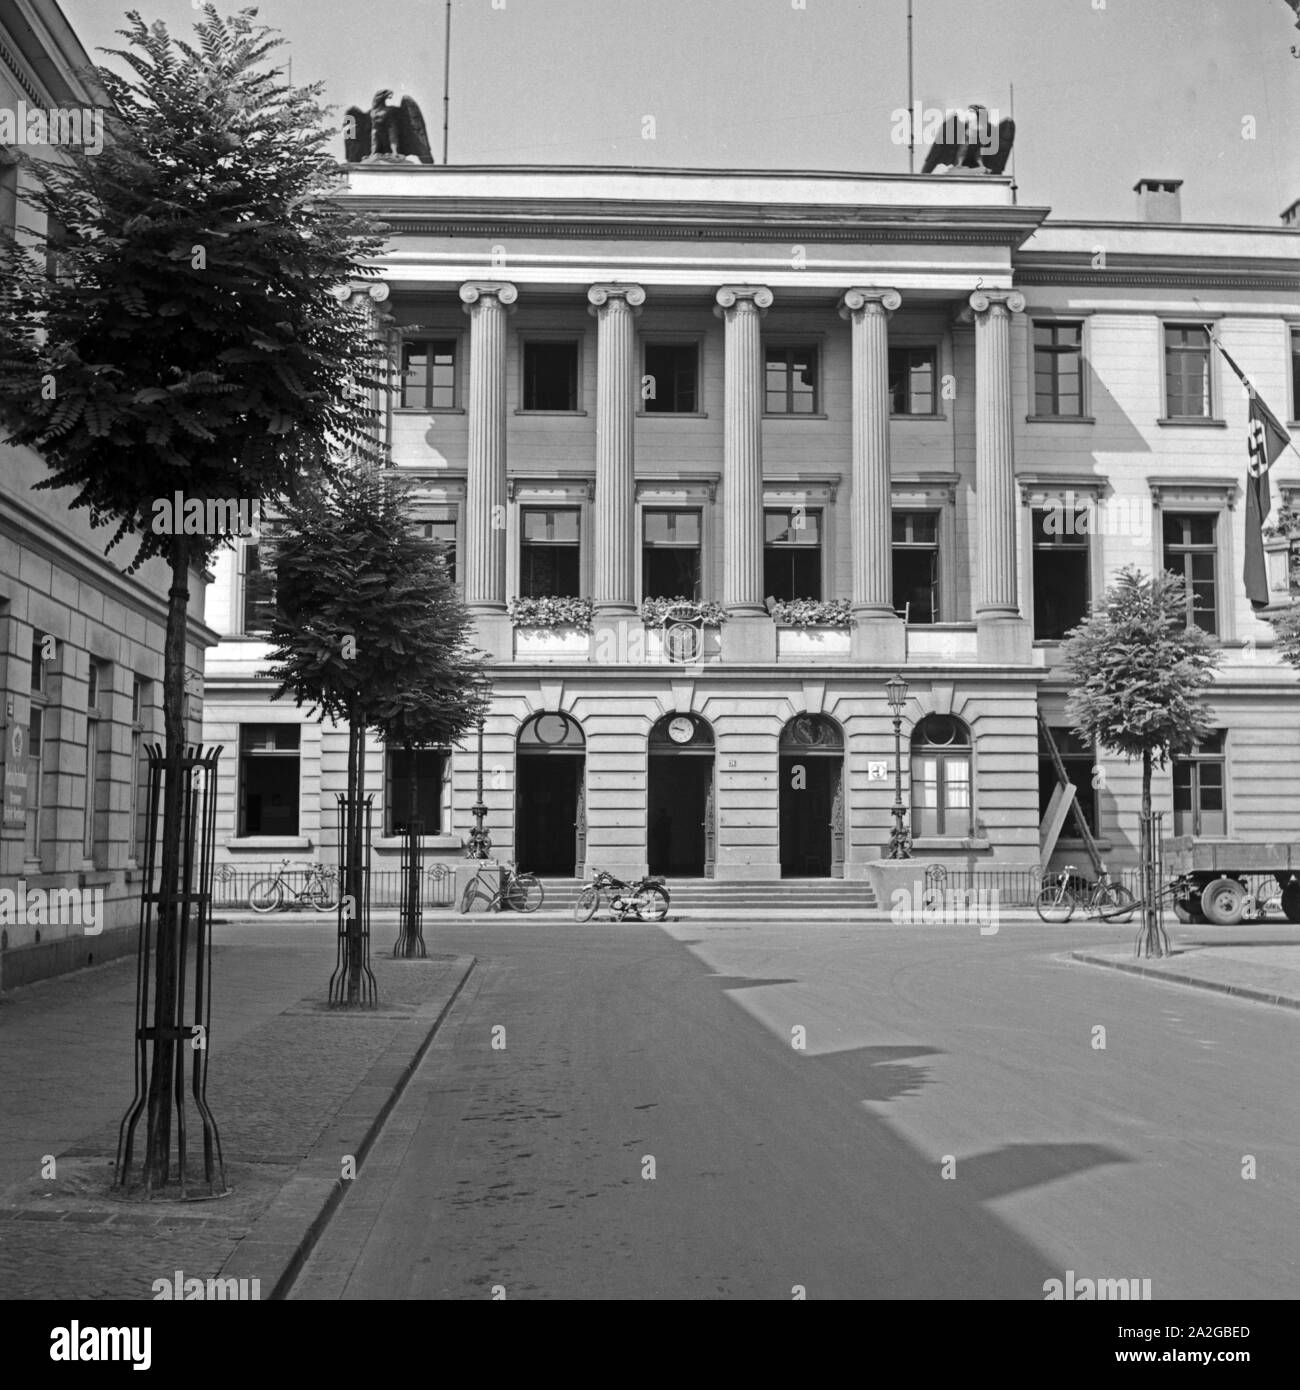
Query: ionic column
995, 491
869, 311
485, 492
365, 300
615, 308
741, 307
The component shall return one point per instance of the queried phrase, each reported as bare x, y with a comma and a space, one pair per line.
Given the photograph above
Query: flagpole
446, 80
911, 101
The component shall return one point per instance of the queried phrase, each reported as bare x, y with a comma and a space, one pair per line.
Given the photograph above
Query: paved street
636, 1050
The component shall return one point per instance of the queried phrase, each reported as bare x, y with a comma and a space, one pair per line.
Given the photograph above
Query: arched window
941, 782
811, 733
545, 732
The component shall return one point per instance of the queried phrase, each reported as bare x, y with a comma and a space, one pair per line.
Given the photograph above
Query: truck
1229, 881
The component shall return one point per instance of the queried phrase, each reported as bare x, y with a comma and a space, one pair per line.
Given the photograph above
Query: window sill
950, 842
1192, 422
914, 415
262, 842
521, 411
792, 415
672, 415
392, 843
1061, 419
428, 410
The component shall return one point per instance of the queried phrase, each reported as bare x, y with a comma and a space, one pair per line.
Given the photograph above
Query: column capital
758, 297
599, 297
984, 300
376, 290
872, 298
473, 292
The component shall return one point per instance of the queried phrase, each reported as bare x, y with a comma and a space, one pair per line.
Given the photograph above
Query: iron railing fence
1018, 888
233, 881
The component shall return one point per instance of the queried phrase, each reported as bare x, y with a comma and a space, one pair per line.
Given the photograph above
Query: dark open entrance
811, 798
679, 832
549, 829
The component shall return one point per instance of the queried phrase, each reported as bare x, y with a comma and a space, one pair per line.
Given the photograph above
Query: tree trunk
1150, 919
354, 887
168, 988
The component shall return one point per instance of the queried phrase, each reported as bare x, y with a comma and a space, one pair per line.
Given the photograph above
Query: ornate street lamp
480, 842
900, 839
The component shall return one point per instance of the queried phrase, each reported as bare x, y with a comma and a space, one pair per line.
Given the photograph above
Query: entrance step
792, 895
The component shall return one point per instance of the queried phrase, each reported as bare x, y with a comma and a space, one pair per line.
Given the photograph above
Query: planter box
654, 645
940, 645
562, 643
813, 643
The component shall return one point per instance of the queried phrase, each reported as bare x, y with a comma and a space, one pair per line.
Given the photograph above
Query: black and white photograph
649, 652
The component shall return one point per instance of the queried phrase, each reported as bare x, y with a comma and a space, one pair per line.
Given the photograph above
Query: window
941, 799
56, 241
1295, 373
1187, 371
549, 553
259, 583
99, 740
1062, 584
8, 193
35, 780
1058, 368
912, 372
670, 553
916, 566
1078, 760
444, 532
429, 374
670, 378
1199, 785
791, 377
268, 779
428, 766
38, 661
550, 376
792, 553
1190, 551
141, 703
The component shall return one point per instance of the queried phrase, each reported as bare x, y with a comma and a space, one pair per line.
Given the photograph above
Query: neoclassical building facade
856, 425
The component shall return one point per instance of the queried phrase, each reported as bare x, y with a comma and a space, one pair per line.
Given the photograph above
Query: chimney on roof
1159, 200
1291, 217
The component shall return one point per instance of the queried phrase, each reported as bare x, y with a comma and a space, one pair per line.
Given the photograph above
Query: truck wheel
1223, 901
1291, 901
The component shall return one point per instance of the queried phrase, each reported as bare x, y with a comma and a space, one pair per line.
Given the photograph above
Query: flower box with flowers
655, 610
807, 629
811, 612
551, 628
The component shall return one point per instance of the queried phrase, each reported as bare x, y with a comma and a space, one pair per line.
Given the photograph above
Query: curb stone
1258, 996
282, 1238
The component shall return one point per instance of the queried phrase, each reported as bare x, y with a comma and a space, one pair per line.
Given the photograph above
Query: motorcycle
646, 900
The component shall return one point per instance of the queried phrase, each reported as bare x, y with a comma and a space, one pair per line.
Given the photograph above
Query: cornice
1227, 272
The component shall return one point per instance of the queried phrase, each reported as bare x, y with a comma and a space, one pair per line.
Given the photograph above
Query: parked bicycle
320, 889
519, 892
1110, 901
647, 899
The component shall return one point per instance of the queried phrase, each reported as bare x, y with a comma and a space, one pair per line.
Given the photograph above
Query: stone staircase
787, 896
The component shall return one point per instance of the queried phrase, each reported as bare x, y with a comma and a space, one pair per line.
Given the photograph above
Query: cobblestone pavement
293, 1085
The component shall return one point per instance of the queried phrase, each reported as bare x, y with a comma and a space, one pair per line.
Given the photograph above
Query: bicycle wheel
468, 896
653, 903
1115, 903
525, 893
323, 892
266, 895
1054, 905
585, 908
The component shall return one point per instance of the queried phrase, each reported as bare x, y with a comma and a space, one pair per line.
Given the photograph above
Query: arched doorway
681, 838
812, 798
550, 796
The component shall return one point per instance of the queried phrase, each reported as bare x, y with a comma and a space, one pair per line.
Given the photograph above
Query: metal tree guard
410, 939
175, 916
900, 839
1151, 850
353, 981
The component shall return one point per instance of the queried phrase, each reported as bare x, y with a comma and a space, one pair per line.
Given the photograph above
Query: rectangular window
1078, 761
941, 803
444, 532
268, 779
141, 699
1062, 578
916, 566
8, 194
35, 781
1295, 373
549, 552
1199, 789
1187, 371
912, 373
670, 379
259, 583
428, 766
550, 376
791, 379
1191, 551
38, 662
1058, 368
99, 739
670, 553
429, 374
792, 553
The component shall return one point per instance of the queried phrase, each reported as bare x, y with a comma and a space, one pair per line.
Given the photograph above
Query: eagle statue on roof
395, 133
968, 140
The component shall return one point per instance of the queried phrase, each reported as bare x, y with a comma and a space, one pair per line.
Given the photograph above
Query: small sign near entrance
13, 774
877, 772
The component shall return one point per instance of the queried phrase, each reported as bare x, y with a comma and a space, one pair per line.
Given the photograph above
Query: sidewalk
1268, 974
297, 1090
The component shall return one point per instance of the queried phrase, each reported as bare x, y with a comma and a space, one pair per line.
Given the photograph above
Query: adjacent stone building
868, 424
